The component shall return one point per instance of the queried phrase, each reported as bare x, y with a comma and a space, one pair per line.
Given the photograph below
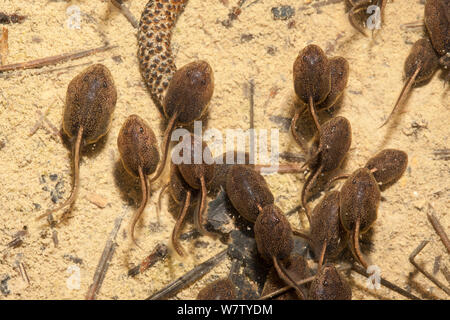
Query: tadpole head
437, 15
222, 289
329, 285
359, 199
189, 92
334, 142
326, 226
197, 162
273, 234
312, 74
339, 78
247, 191
137, 146
423, 56
177, 186
90, 102
388, 165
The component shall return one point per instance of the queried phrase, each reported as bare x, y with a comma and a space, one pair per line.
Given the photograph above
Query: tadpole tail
76, 176
141, 208
165, 146
177, 228
161, 193
403, 94
300, 234
281, 169
314, 114
355, 242
351, 17
305, 190
340, 177
294, 133
322, 256
282, 272
199, 216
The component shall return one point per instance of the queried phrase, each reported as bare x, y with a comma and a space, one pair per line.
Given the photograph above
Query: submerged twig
107, 254
158, 254
39, 63
126, 12
23, 272
439, 229
4, 46
11, 18
423, 271
189, 277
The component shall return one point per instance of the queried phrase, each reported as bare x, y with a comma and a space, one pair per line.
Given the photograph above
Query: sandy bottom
35, 168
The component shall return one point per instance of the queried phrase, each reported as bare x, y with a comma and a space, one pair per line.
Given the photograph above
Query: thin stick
439, 230
189, 277
39, 63
159, 253
126, 12
423, 271
252, 118
360, 270
106, 257
4, 45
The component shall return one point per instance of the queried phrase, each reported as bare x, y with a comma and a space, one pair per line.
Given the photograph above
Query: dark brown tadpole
197, 169
437, 22
388, 165
140, 156
339, 78
359, 200
187, 98
248, 191
420, 66
297, 267
312, 82
327, 152
327, 236
361, 12
222, 289
90, 102
274, 241
329, 285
